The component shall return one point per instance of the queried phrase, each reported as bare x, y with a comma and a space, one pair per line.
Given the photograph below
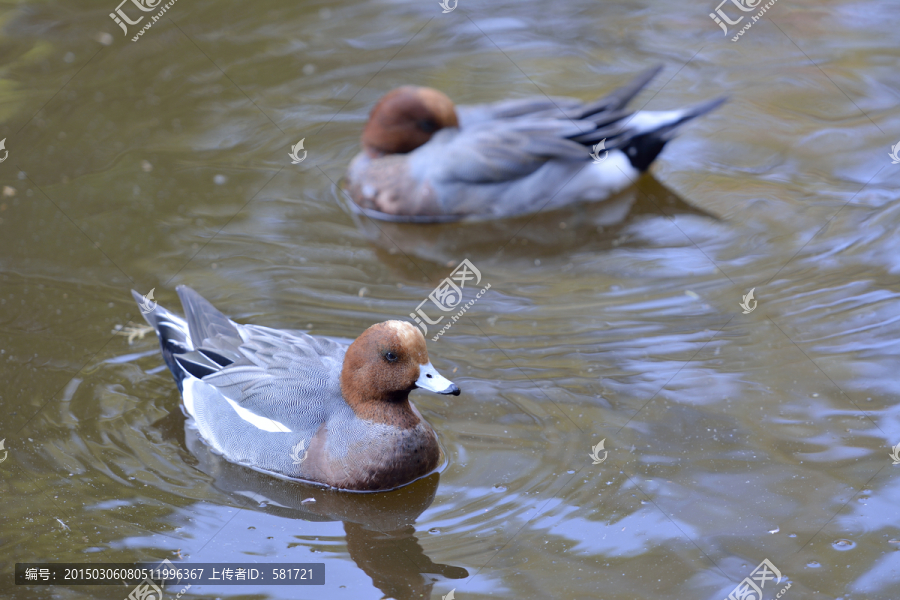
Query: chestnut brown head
387, 362
406, 118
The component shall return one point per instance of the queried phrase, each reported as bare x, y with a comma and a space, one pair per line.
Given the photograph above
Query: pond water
729, 438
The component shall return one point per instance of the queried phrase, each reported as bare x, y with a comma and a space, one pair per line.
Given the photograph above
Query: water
161, 162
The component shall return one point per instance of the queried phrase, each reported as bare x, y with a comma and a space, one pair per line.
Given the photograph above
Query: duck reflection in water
380, 527
547, 235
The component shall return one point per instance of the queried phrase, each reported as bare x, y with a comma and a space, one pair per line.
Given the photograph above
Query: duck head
406, 118
382, 366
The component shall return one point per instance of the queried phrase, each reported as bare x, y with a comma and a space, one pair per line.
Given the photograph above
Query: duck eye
427, 125
390, 356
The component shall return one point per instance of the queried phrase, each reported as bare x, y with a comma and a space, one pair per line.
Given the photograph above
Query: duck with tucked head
303, 407
424, 159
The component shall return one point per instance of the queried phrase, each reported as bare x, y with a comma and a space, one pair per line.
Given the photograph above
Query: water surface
731, 437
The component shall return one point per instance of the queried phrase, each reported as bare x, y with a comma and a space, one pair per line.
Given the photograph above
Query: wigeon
424, 159
303, 407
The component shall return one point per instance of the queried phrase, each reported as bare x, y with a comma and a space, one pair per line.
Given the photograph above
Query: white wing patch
264, 423
187, 395
260, 422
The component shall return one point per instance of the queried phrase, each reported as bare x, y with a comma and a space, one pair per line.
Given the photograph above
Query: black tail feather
173, 340
700, 109
643, 149
195, 364
180, 339
619, 98
215, 357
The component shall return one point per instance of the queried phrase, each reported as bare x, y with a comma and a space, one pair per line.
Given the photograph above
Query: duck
423, 159
303, 407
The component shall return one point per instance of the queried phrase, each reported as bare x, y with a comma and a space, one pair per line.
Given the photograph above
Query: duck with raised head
424, 159
304, 407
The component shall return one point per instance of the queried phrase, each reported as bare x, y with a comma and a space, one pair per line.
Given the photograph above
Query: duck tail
647, 132
617, 100
172, 331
